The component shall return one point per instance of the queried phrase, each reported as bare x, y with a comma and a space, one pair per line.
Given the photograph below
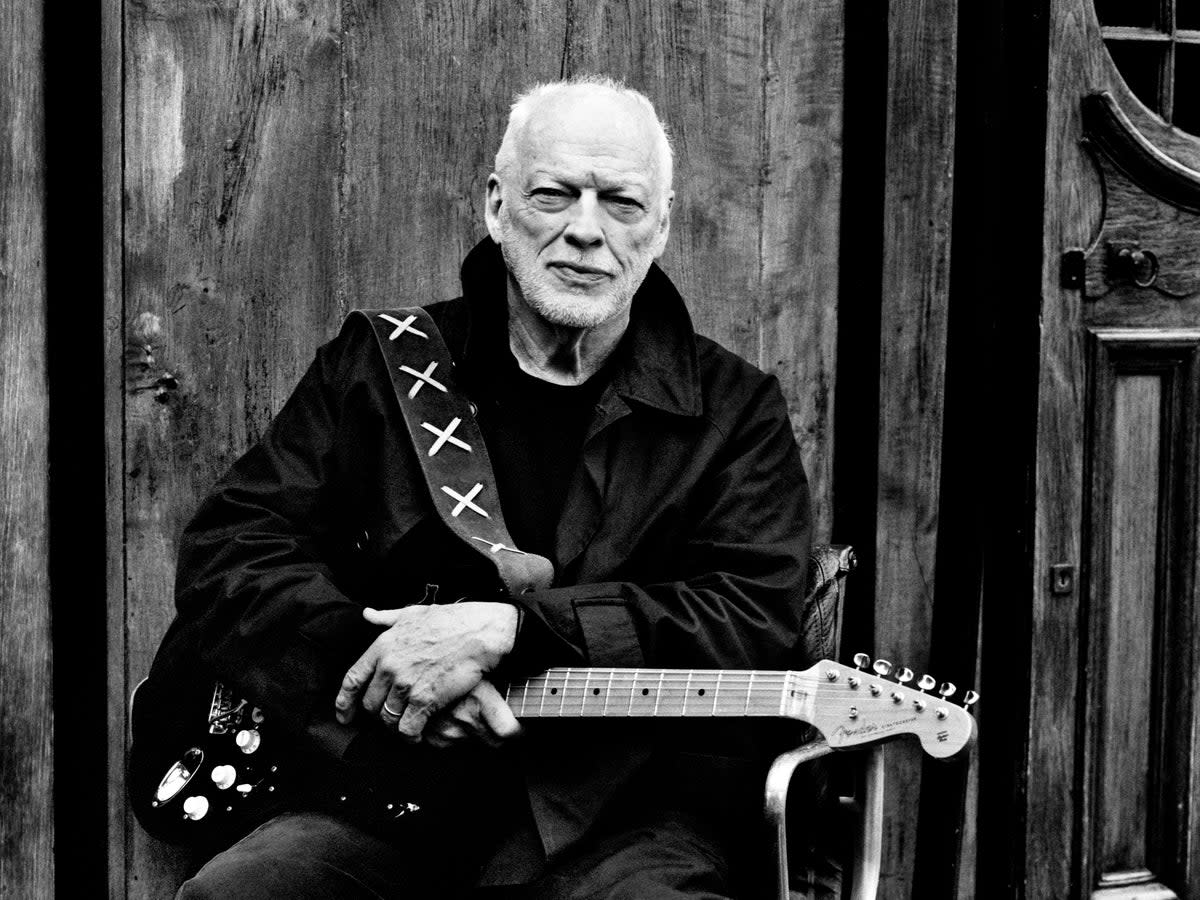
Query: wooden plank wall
917, 219
286, 162
26, 780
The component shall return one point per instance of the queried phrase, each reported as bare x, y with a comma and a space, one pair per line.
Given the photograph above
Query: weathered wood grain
1070, 221
26, 730
1138, 748
702, 64
231, 158
119, 823
1126, 643
916, 275
801, 208
427, 92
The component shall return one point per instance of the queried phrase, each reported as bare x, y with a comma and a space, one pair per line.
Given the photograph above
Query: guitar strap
446, 439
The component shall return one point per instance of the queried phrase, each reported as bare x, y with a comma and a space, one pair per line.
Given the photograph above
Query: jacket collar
657, 365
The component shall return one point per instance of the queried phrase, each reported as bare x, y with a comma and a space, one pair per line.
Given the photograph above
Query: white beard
556, 302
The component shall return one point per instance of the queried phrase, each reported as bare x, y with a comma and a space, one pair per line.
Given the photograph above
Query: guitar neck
666, 693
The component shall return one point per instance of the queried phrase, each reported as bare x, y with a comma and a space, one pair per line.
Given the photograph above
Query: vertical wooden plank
702, 66
916, 268
1072, 218
801, 208
112, 163
26, 731
419, 151
231, 158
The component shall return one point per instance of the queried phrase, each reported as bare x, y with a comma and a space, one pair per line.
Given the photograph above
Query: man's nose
584, 230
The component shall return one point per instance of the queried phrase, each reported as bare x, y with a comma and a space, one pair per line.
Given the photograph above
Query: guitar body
205, 766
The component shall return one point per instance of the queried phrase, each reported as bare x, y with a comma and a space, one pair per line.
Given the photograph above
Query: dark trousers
310, 855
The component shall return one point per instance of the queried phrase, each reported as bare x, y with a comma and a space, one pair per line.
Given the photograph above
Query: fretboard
659, 692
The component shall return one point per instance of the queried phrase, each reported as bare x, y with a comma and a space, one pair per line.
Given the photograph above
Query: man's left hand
428, 658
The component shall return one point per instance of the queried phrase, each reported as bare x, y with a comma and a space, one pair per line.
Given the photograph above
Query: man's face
583, 211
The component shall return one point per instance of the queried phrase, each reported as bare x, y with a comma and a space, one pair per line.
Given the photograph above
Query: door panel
1139, 717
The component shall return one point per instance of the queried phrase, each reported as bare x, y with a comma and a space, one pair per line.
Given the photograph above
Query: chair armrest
779, 779
868, 844
867, 813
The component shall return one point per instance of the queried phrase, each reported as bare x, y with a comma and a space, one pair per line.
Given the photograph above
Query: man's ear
491, 206
664, 226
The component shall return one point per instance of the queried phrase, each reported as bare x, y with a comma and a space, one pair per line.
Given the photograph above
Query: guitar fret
585, 697
562, 701
716, 694
632, 691
687, 689
607, 692
749, 690
658, 691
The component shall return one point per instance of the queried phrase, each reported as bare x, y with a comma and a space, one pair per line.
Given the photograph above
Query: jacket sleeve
254, 580
737, 579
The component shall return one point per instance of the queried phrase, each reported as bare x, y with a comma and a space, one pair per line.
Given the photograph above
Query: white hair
525, 102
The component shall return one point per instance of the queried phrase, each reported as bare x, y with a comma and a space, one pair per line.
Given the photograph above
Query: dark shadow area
75, 351
860, 276
985, 522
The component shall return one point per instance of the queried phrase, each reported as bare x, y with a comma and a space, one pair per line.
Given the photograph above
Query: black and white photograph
600, 450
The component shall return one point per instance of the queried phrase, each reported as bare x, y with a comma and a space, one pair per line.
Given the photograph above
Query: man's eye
549, 198
625, 204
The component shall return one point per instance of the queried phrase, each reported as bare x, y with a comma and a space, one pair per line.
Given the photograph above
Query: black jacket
683, 541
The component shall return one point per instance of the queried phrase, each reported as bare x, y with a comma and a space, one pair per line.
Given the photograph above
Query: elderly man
656, 470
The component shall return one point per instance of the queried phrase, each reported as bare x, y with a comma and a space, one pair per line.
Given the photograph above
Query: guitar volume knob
195, 808
224, 776
248, 740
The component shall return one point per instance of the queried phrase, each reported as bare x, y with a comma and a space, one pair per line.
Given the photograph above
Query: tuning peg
905, 675
947, 689
970, 698
861, 660
882, 667
926, 683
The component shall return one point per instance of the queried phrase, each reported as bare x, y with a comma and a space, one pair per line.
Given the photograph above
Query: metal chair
815, 873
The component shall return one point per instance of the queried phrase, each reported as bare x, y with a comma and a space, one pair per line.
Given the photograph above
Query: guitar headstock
855, 706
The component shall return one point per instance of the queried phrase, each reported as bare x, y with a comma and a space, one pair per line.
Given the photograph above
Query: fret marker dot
554, 690
596, 692
700, 692
645, 691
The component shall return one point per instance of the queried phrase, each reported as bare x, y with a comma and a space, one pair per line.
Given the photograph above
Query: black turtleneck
534, 431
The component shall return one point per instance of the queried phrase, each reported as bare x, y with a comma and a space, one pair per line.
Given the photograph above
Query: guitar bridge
224, 709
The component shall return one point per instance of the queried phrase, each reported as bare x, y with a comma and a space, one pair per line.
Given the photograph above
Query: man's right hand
480, 715
427, 659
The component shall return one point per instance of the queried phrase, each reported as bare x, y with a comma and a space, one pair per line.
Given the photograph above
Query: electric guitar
226, 774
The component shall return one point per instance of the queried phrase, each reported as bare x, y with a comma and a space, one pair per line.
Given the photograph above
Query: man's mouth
576, 273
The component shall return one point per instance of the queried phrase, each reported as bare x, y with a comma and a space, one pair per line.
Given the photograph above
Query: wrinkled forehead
586, 123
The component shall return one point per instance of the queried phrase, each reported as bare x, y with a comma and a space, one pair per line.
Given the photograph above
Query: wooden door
1114, 765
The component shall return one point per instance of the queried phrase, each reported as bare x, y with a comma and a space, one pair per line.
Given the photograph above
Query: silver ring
387, 709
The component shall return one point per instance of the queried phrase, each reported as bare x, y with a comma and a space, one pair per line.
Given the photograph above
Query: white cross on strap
465, 502
402, 327
496, 546
423, 378
446, 436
